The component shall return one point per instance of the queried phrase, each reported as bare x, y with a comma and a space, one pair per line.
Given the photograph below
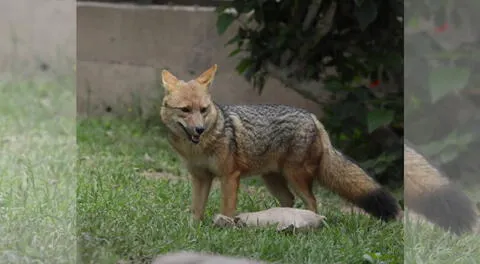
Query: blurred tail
430, 194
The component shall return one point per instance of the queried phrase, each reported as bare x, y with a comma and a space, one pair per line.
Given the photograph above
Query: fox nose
199, 130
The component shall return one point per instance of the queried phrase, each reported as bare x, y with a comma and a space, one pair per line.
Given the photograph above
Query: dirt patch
162, 176
351, 209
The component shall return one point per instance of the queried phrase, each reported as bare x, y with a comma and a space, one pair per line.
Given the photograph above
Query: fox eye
185, 109
203, 110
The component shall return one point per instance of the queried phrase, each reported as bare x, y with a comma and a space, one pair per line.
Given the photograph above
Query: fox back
269, 135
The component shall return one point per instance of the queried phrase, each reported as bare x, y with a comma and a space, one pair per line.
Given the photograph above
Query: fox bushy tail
347, 179
432, 195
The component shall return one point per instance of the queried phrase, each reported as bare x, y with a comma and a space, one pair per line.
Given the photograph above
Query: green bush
301, 42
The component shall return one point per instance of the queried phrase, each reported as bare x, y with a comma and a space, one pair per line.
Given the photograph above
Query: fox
431, 194
287, 147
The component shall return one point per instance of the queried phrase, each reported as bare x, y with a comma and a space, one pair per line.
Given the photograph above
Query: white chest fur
194, 157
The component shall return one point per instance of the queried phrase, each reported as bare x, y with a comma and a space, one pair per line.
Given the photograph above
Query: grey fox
287, 146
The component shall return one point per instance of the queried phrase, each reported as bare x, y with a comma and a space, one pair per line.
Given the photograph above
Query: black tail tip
448, 207
381, 204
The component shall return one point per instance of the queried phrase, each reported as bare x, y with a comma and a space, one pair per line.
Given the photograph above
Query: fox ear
169, 81
207, 77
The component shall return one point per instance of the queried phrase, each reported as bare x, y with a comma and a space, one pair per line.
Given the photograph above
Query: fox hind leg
277, 185
302, 183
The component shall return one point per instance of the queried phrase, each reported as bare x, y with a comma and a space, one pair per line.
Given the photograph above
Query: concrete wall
37, 36
122, 47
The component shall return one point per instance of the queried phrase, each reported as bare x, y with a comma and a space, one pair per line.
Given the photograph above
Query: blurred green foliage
442, 95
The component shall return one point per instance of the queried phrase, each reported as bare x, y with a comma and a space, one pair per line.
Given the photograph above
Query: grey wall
121, 49
37, 36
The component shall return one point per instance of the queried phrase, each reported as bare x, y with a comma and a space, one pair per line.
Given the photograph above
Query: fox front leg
229, 187
201, 184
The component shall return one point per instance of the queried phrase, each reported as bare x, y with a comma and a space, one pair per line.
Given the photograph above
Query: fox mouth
193, 138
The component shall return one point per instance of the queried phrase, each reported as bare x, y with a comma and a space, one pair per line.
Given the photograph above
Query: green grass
425, 243
37, 165
122, 214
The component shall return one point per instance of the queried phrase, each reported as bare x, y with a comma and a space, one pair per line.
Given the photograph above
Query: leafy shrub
355, 48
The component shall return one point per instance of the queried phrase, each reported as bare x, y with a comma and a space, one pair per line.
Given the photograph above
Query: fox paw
220, 220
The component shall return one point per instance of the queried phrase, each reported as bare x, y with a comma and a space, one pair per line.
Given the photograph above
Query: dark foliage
302, 42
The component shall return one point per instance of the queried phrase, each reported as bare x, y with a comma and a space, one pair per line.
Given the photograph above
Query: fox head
187, 108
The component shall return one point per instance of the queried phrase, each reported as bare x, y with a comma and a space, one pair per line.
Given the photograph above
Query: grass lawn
425, 243
37, 172
123, 214
53, 198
